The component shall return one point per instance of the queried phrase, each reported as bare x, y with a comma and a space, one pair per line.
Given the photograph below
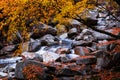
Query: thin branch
110, 13
98, 30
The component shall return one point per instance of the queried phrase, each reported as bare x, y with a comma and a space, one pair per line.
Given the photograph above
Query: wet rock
101, 36
86, 60
66, 43
20, 66
2, 74
50, 56
34, 45
28, 55
72, 33
47, 40
63, 36
102, 14
67, 73
47, 56
72, 56
43, 29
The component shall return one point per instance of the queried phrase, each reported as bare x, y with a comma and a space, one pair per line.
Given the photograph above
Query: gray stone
82, 43
29, 55
86, 60
21, 65
48, 40
2, 74
10, 48
72, 33
34, 45
67, 72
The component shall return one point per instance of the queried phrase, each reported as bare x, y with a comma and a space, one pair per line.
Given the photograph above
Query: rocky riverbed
78, 54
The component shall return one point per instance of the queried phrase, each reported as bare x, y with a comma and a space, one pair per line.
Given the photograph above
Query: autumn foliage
19, 16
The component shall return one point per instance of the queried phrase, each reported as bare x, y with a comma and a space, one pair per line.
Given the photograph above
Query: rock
66, 78
50, 56
66, 43
82, 43
72, 33
99, 53
101, 21
25, 46
63, 59
103, 14
47, 40
86, 60
2, 74
1, 46
10, 48
102, 47
103, 59
28, 55
67, 73
116, 69
75, 22
34, 45
72, 56
103, 63
86, 35
21, 65
111, 46
91, 21
61, 29
62, 51
43, 29
101, 36
82, 51
63, 36
116, 59
47, 56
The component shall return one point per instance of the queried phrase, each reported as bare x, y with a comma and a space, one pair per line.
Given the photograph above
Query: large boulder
19, 74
